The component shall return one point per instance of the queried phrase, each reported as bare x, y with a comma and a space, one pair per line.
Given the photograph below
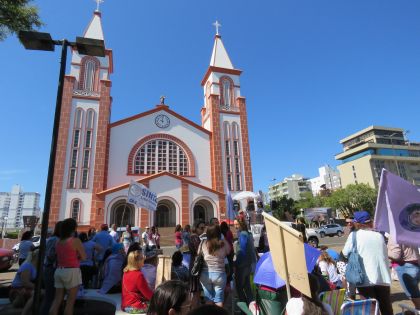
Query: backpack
355, 272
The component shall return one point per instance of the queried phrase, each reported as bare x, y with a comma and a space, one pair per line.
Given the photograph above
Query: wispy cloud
11, 172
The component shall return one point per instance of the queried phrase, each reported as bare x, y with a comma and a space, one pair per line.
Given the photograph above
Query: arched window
74, 153
75, 209
160, 155
89, 73
228, 155
90, 69
226, 90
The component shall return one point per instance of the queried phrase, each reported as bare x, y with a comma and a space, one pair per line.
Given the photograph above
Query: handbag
198, 262
355, 273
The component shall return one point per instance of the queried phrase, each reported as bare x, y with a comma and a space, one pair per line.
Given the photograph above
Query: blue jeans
213, 284
409, 276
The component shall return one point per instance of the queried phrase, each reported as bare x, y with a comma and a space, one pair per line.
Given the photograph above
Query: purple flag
398, 209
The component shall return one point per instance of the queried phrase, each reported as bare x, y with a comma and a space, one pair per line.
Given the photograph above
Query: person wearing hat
104, 240
113, 270
374, 258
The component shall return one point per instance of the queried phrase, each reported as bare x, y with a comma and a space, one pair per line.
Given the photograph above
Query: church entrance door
203, 211
122, 214
165, 214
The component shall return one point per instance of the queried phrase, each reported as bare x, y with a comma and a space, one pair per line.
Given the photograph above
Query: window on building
72, 178
74, 158
236, 157
88, 140
228, 155
85, 175
75, 209
159, 156
86, 159
225, 93
76, 138
90, 71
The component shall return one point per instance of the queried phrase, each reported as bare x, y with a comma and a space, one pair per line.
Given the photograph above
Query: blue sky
314, 72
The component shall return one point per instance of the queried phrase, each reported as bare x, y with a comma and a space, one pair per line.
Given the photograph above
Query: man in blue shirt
105, 240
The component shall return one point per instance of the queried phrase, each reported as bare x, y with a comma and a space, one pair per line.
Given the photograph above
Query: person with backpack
372, 269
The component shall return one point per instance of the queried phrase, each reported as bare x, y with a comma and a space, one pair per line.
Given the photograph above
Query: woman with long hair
306, 305
135, 294
170, 298
328, 268
213, 275
67, 276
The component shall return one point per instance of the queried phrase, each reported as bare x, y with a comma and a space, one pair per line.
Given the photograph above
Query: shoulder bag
355, 273
198, 262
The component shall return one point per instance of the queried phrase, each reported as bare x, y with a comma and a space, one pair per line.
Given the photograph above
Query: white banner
141, 196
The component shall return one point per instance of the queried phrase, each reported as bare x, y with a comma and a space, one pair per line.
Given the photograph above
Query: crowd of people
113, 262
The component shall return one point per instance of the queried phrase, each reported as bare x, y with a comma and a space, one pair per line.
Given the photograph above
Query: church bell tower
82, 152
224, 114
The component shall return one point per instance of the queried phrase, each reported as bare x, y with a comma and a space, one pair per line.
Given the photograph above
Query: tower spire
94, 29
219, 56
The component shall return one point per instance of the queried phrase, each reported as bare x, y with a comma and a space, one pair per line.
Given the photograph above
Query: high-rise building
328, 178
368, 151
291, 187
16, 204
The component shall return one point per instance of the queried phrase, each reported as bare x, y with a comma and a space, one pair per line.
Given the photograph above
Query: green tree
284, 205
17, 15
309, 201
353, 198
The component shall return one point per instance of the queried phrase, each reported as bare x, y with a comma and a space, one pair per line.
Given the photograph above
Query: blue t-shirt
105, 241
17, 281
89, 247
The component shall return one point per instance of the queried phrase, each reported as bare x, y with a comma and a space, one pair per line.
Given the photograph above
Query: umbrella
266, 275
245, 195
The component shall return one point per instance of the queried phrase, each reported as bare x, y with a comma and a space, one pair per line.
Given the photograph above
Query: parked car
6, 259
311, 234
330, 230
36, 240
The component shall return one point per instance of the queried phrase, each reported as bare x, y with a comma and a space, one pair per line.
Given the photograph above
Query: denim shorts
213, 284
409, 276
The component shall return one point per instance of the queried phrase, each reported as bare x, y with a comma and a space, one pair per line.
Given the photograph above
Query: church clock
162, 121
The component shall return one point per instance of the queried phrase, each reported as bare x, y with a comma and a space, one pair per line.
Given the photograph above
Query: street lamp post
43, 41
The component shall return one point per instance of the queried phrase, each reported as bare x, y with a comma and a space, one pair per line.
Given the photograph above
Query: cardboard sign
141, 196
288, 254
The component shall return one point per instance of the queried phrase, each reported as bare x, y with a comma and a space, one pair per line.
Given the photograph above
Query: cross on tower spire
217, 25
98, 2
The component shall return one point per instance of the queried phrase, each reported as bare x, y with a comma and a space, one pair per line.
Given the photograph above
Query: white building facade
290, 187
329, 177
189, 166
16, 204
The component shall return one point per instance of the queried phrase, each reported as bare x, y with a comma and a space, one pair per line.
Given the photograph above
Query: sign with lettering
141, 196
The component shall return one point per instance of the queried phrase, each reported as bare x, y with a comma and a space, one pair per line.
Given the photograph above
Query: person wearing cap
104, 240
113, 270
374, 256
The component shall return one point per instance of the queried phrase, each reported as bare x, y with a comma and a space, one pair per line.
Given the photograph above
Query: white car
330, 230
36, 240
311, 234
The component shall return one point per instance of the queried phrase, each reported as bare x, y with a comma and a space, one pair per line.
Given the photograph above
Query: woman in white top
329, 270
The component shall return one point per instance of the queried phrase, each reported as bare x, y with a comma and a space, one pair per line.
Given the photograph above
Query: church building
189, 166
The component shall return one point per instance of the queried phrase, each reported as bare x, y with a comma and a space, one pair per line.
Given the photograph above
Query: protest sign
288, 254
398, 209
141, 196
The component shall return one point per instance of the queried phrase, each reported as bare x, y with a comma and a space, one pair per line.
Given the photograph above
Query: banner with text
141, 196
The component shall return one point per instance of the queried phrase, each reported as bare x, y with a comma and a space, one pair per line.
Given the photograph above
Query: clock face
162, 121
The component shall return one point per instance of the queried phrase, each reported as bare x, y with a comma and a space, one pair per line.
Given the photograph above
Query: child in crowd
179, 271
329, 270
178, 236
136, 294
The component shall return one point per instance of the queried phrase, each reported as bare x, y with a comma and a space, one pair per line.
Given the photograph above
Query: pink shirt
67, 256
178, 238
